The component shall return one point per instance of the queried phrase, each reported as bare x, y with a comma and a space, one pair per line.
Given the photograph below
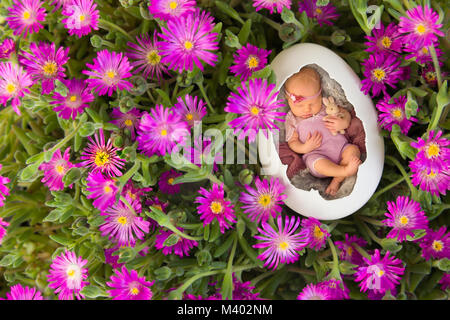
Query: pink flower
315, 235
75, 101
3, 224
127, 285
129, 120
171, 9
272, 5
166, 182
323, 14
249, 59
55, 170
23, 293
7, 47
103, 190
191, 109
180, 248
24, 16
436, 244
82, 17
4, 191
14, 83
315, 292
394, 113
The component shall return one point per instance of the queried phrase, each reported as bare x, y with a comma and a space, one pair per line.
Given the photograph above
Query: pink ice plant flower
436, 244
129, 190
147, 57
161, 131
433, 181
315, 235
256, 101
385, 40
323, 14
82, 17
213, 206
170, 9
56, 169
272, 5
7, 47
249, 59
68, 276
112, 260
264, 201
123, 225
108, 73
127, 285
243, 290
24, 16
74, 102
14, 83
203, 152
420, 27
336, 288
445, 281
315, 292
434, 153
102, 157
380, 70
190, 108
181, 248
18, 292
129, 120
59, 3
281, 244
3, 224
379, 274
189, 40
422, 55
348, 251
45, 63
4, 191
166, 180
429, 75
394, 113
103, 190
405, 216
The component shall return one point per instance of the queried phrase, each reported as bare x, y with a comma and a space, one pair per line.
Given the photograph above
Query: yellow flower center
432, 174
430, 76
107, 189
153, 57
425, 50
173, 5
189, 116
164, 132
216, 207
122, 220
254, 111
252, 62
131, 195
319, 11
380, 273
134, 291
283, 245
349, 251
111, 74
59, 169
421, 29
101, 158
188, 45
70, 272
128, 122
318, 234
82, 18
10, 88
26, 15
49, 68
158, 206
170, 181
437, 245
403, 220
379, 74
73, 98
265, 200
397, 114
386, 42
433, 150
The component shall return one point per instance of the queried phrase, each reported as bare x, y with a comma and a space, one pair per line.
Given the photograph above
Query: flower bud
163, 273
118, 141
339, 37
96, 41
245, 176
203, 258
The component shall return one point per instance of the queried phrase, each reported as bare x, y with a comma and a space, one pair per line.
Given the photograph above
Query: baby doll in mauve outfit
308, 133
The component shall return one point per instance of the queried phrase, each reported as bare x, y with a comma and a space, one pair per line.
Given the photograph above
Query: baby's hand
313, 142
336, 123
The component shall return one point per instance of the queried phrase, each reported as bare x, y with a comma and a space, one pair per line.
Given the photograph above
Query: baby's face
308, 107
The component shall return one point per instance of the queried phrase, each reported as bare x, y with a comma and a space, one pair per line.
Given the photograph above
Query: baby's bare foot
352, 167
333, 187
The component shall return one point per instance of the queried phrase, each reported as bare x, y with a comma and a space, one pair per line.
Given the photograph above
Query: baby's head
306, 84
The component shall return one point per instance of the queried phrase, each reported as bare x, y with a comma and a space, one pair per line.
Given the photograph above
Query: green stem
301, 271
414, 192
191, 280
124, 179
335, 273
370, 232
371, 221
361, 250
216, 180
437, 68
107, 25
66, 138
387, 188
202, 90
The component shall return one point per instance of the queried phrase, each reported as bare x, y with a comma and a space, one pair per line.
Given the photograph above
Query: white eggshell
310, 203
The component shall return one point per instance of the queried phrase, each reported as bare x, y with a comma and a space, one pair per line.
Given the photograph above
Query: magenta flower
59, 3
75, 101
108, 73
158, 204
282, 244
161, 131
203, 152
348, 251
82, 17
7, 47
191, 109
272, 5
127, 285
420, 26
243, 290
68, 276
336, 288
147, 56
436, 244
323, 14
4, 191
394, 113
129, 120
432, 181
445, 281
315, 292
216, 296
429, 75
187, 40
103, 190
213, 206
264, 201
123, 225
313, 233
257, 104
3, 224
14, 83
404, 216
111, 259
433, 153
23, 293
379, 274
421, 54
249, 59
45, 64
24, 16
168, 9
380, 70
134, 193
180, 248
101, 157
166, 182
55, 170
385, 40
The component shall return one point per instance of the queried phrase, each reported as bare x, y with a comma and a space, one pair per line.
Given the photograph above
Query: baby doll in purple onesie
308, 133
